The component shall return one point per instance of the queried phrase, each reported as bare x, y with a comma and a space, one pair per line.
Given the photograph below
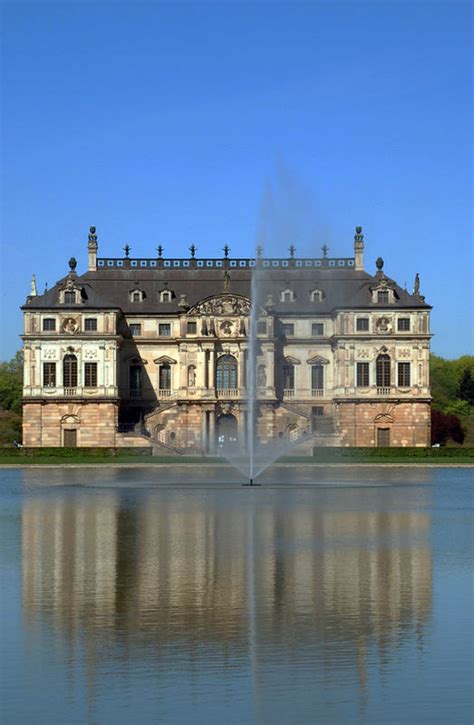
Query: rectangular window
289, 377
404, 375
383, 437
362, 324
191, 328
49, 375
90, 375
136, 329
317, 377
362, 374
288, 329
261, 328
49, 324
382, 297
135, 381
164, 329
403, 324
90, 324
317, 329
70, 298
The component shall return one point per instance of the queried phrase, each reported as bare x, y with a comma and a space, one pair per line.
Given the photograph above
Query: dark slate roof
110, 288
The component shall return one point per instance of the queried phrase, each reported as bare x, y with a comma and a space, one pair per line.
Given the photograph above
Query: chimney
92, 248
359, 250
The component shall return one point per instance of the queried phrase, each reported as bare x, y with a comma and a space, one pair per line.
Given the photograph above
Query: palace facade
154, 352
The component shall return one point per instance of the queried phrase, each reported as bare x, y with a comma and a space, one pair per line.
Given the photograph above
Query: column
212, 369
242, 366
212, 431
203, 430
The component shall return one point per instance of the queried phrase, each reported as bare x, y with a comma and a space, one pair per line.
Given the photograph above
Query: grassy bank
343, 456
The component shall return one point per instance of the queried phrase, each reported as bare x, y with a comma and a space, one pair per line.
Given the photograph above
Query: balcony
384, 390
317, 392
227, 393
70, 391
166, 393
289, 393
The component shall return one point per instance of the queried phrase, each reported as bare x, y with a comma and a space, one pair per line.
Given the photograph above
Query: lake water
130, 596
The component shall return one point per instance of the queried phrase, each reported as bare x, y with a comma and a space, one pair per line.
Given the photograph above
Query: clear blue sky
224, 122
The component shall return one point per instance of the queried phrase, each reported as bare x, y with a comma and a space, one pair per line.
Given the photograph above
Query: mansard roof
342, 288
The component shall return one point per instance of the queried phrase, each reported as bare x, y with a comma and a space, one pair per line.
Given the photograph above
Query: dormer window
383, 297
316, 295
70, 297
287, 296
166, 295
137, 295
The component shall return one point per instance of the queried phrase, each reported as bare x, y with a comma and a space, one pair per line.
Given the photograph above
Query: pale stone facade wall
186, 415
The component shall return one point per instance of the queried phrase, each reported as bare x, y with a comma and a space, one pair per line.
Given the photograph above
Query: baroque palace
154, 352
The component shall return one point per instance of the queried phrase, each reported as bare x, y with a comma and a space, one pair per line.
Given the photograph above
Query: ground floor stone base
86, 425
208, 426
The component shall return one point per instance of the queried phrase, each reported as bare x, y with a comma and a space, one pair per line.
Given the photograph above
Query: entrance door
226, 431
70, 438
383, 437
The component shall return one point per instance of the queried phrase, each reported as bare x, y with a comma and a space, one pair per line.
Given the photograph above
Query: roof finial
34, 290
325, 250
379, 264
192, 249
226, 250
259, 250
416, 286
292, 250
159, 249
126, 249
73, 264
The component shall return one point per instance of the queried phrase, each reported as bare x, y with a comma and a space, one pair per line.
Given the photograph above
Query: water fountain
252, 456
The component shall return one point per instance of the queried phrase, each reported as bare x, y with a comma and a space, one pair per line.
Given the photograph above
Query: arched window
166, 295
287, 296
383, 371
226, 373
165, 377
70, 371
316, 295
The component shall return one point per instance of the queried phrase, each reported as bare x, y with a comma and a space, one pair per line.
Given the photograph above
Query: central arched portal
226, 431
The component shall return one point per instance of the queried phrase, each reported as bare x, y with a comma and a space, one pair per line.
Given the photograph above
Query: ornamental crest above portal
223, 305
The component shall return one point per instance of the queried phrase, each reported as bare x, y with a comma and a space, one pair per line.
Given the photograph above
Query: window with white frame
316, 295
137, 295
287, 295
166, 295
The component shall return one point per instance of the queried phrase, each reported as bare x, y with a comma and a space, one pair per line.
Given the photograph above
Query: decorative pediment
290, 360
164, 360
317, 360
222, 305
136, 360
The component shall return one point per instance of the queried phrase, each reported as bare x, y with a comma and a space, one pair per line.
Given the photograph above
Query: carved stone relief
225, 305
383, 326
70, 325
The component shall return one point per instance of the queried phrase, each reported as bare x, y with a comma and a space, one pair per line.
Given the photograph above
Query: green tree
11, 389
11, 384
466, 386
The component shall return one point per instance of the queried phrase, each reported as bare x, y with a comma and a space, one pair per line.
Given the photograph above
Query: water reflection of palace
205, 569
